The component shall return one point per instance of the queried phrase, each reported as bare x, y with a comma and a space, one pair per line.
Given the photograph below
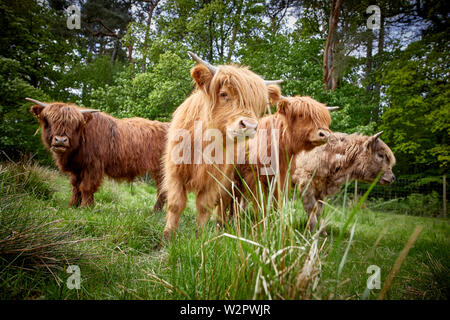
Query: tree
329, 59
417, 115
154, 94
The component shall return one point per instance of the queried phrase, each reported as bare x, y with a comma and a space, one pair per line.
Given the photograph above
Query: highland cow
300, 123
227, 103
89, 144
322, 171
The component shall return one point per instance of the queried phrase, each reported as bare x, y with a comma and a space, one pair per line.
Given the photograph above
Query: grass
115, 243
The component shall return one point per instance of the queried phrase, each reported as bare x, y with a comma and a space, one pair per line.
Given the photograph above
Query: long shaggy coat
99, 144
219, 102
302, 124
322, 171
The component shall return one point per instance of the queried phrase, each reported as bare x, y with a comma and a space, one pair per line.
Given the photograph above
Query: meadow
117, 246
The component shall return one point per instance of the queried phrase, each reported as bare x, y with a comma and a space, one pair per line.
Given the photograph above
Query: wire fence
412, 195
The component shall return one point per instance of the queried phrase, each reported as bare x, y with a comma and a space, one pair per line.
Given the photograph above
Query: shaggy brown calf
351, 156
302, 123
89, 144
225, 105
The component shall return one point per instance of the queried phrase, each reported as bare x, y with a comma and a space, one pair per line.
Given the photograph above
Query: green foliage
417, 119
33, 244
415, 204
153, 95
38, 38
84, 78
213, 29
17, 125
24, 179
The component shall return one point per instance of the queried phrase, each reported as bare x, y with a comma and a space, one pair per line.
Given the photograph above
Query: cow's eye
380, 155
223, 94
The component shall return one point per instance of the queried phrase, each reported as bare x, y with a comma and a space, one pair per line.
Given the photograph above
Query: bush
16, 178
416, 204
30, 240
154, 94
424, 204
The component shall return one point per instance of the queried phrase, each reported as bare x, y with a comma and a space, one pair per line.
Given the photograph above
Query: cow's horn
37, 102
377, 135
210, 67
332, 108
269, 82
89, 110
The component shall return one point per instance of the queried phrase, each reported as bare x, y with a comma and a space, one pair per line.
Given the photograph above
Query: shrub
416, 204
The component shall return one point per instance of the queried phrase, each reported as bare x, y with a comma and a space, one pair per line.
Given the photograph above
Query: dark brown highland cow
89, 144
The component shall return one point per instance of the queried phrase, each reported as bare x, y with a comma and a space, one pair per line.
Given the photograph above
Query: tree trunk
380, 52
378, 66
130, 53
211, 41
153, 5
369, 60
115, 50
235, 31
329, 57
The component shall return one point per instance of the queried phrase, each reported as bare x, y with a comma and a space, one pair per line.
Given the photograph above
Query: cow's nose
323, 135
246, 124
393, 178
58, 140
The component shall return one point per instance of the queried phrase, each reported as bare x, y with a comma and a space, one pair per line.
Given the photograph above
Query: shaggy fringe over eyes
307, 105
250, 89
63, 115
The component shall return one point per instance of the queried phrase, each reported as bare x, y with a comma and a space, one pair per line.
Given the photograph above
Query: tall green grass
255, 256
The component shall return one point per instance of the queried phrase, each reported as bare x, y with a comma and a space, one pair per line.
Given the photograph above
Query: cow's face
236, 96
237, 122
376, 156
307, 122
61, 126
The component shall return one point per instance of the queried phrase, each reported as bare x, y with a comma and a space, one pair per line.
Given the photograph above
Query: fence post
444, 195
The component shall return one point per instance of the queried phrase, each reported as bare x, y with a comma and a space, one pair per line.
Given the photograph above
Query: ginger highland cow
226, 105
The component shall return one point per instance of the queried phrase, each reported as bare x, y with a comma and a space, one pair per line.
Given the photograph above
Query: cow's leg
240, 206
90, 182
221, 210
205, 203
310, 206
314, 209
161, 194
176, 202
160, 201
76, 193
318, 212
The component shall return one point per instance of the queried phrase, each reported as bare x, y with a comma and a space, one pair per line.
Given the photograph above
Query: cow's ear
274, 94
36, 110
202, 76
282, 106
87, 116
372, 140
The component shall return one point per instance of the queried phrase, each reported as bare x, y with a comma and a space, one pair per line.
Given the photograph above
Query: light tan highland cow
351, 156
